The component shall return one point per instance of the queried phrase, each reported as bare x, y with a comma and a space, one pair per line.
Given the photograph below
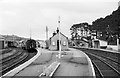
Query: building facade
54, 42
82, 32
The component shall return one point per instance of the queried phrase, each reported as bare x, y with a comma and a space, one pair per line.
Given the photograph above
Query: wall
103, 43
112, 47
54, 39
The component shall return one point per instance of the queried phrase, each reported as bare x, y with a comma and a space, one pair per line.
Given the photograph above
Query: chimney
54, 33
57, 29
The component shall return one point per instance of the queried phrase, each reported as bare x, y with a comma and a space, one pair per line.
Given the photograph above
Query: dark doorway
10, 44
119, 40
97, 44
57, 44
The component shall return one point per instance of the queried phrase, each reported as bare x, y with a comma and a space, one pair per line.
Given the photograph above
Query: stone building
53, 43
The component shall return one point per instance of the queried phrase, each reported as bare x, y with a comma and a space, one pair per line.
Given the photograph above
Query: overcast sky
18, 16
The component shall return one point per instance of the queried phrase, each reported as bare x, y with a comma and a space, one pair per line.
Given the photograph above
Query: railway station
76, 60
60, 39
53, 42
59, 59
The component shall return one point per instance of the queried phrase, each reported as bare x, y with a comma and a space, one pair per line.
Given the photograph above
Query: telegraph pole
46, 33
59, 56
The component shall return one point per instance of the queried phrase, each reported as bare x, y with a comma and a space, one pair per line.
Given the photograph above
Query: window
53, 43
64, 43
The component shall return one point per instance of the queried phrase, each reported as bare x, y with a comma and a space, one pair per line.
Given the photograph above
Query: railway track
112, 58
16, 61
10, 57
7, 55
9, 63
5, 51
106, 64
103, 68
112, 55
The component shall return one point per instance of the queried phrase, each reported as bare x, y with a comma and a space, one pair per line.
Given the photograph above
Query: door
57, 44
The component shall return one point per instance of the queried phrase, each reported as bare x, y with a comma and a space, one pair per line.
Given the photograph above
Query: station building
41, 43
7, 41
53, 42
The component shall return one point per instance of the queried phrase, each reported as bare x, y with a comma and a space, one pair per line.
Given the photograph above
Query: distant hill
13, 37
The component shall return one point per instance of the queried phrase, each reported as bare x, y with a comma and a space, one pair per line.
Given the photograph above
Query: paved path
75, 65
35, 68
72, 64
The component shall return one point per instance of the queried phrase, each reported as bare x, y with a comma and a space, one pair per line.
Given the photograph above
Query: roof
57, 33
84, 40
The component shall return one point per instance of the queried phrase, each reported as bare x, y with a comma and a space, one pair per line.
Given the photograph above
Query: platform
74, 63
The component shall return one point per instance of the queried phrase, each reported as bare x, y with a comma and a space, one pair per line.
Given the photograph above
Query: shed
54, 41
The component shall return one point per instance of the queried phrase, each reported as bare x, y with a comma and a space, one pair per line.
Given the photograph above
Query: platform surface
73, 63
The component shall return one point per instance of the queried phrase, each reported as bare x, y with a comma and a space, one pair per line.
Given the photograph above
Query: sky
19, 17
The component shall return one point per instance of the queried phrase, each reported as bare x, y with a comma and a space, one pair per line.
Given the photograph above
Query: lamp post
46, 33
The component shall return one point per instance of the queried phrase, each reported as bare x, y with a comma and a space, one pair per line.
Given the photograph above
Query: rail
109, 61
94, 58
8, 67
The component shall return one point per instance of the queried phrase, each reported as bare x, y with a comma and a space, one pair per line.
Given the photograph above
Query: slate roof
58, 33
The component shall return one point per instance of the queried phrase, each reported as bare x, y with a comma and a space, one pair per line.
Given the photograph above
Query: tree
75, 28
112, 20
